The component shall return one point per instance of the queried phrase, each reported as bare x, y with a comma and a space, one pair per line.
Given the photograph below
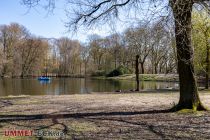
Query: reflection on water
44, 81
60, 86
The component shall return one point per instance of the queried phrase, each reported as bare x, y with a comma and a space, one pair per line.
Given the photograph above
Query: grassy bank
144, 77
104, 116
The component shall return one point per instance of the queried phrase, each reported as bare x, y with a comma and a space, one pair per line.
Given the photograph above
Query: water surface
64, 86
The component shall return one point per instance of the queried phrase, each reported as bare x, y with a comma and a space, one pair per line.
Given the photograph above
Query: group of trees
23, 54
100, 55
153, 43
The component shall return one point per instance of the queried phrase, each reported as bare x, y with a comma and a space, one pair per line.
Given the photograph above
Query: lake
64, 86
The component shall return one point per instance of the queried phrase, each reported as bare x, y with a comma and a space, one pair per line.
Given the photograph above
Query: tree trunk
166, 68
207, 63
85, 69
132, 63
156, 67
80, 68
189, 98
115, 61
137, 72
142, 68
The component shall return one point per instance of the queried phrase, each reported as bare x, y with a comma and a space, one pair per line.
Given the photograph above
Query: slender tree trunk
142, 68
189, 98
85, 69
207, 63
160, 69
166, 68
115, 61
80, 68
152, 64
132, 64
137, 72
156, 67
46, 72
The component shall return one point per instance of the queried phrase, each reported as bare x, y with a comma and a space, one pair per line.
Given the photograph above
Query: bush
99, 73
119, 71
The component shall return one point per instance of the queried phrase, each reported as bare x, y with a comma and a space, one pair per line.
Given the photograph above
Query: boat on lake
42, 78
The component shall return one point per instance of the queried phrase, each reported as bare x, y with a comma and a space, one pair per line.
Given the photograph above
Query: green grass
143, 77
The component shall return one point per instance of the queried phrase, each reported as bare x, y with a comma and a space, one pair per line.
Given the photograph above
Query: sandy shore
105, 116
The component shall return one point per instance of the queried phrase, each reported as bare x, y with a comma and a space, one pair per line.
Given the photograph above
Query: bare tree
10, 36
32, 52
139, 41
97, 51
161, 45
115, 48
69, 55
85, 56
189, 98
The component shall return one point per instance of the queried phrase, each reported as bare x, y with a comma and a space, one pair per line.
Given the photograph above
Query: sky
39, 22
52, 25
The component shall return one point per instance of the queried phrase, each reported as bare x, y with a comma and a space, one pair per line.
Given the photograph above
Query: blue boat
43, 78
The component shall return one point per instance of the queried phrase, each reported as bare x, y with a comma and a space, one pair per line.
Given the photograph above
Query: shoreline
144, 77
132, 77
120, 92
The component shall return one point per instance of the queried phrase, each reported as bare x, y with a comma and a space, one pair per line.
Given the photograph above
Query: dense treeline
23, 54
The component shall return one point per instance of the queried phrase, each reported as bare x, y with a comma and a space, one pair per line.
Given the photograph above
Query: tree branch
96, 8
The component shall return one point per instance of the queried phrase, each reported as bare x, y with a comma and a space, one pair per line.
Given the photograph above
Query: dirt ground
104, 116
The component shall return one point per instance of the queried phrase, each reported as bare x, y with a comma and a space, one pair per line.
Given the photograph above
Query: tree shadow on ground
115, 124
8, 118
93, 117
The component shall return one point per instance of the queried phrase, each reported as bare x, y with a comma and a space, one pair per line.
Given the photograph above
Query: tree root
193, 107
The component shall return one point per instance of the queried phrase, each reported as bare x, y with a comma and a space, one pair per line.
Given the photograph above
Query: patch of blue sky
51, 25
